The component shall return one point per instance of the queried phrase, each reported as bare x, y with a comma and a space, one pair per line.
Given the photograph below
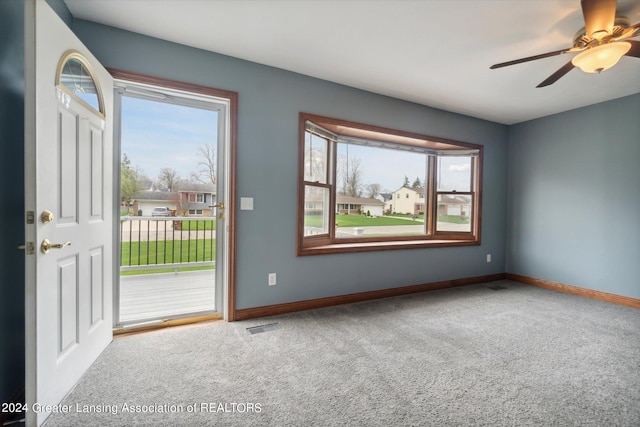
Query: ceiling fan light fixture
600, 58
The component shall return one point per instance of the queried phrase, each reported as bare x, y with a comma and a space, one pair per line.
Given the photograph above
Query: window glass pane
76, 78
316, 210
454, 212
315, 158
454, 173
368, 179
368, 171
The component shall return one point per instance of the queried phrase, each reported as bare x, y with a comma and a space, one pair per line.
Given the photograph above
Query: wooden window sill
336, 248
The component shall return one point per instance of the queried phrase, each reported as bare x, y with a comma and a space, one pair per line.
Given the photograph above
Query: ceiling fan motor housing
583, 40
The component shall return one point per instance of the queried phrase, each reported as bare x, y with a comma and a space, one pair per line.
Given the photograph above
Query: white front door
69, 202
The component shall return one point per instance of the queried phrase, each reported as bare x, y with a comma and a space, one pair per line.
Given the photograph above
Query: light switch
246, 203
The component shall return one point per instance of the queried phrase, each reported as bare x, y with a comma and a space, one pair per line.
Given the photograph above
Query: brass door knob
46, 217
46, 246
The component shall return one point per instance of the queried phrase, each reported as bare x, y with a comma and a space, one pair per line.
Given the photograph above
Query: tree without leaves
341, 171
207, 163
406, 181
315, 166
195, 178
353, 178
169, 179
349, 175
374, 190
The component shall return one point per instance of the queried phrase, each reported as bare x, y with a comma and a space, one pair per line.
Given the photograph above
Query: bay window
364, 188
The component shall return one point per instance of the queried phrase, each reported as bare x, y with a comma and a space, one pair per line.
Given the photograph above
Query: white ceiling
433, 52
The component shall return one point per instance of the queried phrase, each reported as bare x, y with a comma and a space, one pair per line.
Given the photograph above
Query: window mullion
332, 171
431, 196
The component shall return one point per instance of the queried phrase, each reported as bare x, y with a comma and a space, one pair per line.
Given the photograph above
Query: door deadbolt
46, 246
46, 216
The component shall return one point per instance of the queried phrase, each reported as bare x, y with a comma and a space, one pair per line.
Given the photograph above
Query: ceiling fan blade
529, 58
635, 49
599, 15
556, 76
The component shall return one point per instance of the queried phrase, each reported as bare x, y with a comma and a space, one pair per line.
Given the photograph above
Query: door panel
97, 286
97, 181
69, 172
68, 149
67, 310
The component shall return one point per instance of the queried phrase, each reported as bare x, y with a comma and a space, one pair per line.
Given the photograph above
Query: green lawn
358, 221
164, 251
202, 225
363, 221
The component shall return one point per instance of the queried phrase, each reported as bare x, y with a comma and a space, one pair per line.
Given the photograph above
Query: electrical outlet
272, 279
488, 257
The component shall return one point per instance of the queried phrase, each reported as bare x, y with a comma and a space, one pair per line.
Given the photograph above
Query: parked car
161, 211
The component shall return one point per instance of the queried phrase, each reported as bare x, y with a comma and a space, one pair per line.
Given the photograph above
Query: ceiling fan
601, 43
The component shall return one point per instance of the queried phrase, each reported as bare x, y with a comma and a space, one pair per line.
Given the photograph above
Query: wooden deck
158, 296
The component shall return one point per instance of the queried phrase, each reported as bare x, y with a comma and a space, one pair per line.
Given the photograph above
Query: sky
156, 135
388, 168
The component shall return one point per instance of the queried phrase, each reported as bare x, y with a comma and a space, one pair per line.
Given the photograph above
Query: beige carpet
465, 356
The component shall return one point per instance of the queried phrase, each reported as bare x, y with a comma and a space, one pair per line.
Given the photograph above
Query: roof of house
455, 200
198, 188
358, 200
154, 195
415, 190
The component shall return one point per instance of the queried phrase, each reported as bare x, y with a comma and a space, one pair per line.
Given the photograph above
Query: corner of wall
61, 9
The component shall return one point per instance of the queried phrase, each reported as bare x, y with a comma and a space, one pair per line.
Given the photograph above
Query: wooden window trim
327, 243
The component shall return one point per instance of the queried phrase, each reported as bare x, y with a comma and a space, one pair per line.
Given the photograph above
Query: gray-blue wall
11, 195
573, 182
574, 197
269, 102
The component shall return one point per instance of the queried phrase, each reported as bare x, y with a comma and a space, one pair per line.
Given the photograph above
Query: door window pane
75, 77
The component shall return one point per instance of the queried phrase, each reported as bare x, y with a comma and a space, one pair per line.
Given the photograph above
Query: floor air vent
263, 328
497, 287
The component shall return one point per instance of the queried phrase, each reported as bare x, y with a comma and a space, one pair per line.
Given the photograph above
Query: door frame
229, 294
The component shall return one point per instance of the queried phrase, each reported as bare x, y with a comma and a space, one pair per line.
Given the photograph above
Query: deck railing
150, 243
